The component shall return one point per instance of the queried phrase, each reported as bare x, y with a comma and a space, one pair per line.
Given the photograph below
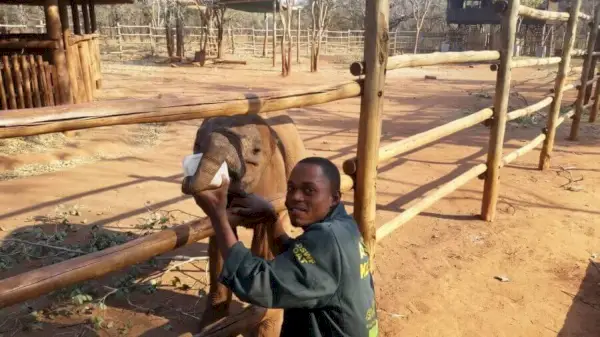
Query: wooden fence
360, 172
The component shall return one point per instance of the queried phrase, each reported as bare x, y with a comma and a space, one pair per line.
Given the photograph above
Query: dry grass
32, 144
142, 138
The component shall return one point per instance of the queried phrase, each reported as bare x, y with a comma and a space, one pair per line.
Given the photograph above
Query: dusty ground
435, 275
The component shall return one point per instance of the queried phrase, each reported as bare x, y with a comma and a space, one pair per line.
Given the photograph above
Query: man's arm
305, 276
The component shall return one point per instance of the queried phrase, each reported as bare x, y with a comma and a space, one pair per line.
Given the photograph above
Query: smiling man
321, 278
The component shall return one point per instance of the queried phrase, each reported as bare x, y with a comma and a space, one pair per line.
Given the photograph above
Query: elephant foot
213, 313
269, 326
249, 319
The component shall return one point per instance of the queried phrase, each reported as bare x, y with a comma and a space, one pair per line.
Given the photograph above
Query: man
321, 279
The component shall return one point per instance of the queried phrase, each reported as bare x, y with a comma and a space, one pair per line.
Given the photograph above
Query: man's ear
336, 197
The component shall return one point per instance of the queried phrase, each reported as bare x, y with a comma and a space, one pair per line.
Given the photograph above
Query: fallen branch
43, 245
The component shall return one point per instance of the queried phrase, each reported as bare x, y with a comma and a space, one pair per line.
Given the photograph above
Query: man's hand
213, 202
252, 206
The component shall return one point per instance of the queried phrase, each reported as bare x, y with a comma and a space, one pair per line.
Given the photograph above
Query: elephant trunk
221, 148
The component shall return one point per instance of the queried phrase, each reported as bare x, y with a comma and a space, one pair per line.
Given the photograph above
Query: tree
420, 9
286, 13
321, 17
219, 15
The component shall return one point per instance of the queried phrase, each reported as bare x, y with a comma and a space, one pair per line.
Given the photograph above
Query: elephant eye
256, 151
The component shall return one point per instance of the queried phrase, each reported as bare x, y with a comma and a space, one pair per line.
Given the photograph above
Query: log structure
72, 53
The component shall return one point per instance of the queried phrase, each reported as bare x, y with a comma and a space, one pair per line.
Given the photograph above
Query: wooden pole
85, 9
10, 84
413, 142
542, 14
26, 81
429, 199
93, 22
54, 80
542, 61
298, 37
32, 44
85, 69
79, 71
491, 187
88, 46
66, 33
35, 82
3, 97
59, 61
419, 60
530, 109
18, 82
42, 79
596, 105
264, 53
274, 31
134, 111
587, 64
75, 16
561, 79
371, 108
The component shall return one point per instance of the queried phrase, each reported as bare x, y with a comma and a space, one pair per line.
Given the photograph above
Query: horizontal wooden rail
439, 193
28, 44
567, 87
584, 16
588, 83
429, 199
28, 122
419, 60
523, 150
395, 149
542, 14
74, 39
535, 62
530, 109
564, 117
578, 52
32, 284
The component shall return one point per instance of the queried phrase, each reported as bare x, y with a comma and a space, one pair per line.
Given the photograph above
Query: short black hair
329, 169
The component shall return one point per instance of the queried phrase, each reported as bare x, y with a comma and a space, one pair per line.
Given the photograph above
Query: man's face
309, 197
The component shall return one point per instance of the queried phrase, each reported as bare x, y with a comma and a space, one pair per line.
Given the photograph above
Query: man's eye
309, 190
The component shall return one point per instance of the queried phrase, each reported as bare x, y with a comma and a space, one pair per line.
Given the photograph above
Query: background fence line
126, 41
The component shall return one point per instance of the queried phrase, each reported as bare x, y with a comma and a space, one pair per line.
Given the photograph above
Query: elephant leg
263, 245
219, 296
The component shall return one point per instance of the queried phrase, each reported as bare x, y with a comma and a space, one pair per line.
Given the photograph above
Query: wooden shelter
60, 66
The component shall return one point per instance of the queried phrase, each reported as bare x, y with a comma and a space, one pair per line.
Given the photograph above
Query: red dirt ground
434, 276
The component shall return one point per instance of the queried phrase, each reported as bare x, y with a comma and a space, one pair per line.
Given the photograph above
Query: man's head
313, 190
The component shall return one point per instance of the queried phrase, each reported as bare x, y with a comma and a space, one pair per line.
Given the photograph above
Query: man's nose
295, 195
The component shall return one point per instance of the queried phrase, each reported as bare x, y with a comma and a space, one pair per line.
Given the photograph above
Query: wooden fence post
298, 37
120, 40
10, 86
561, 78
66, 32
371, 108
587, 64
152, 42
264, 53
274, 31
75, 16
510, 16
53, 26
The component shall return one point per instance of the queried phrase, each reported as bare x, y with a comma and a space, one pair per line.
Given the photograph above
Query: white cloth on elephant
190, 166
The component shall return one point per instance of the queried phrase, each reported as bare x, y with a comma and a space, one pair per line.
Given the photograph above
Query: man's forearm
224, 233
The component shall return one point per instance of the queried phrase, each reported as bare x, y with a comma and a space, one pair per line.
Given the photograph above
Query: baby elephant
260, 151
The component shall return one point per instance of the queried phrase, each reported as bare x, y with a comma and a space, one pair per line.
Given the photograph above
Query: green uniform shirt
322, 281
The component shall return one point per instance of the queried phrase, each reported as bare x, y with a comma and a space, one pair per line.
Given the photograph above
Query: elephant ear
288, 140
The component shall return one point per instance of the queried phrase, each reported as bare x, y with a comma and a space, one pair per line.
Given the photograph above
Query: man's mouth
297, 210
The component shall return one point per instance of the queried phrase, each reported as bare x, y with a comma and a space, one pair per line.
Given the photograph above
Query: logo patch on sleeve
302, 254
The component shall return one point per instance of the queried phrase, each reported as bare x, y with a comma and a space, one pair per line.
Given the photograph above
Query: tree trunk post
298, 37
53, 27
510, 17
587, 66
274, 32
66, 31
371, 108
561, 79
264, 52
75, 16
